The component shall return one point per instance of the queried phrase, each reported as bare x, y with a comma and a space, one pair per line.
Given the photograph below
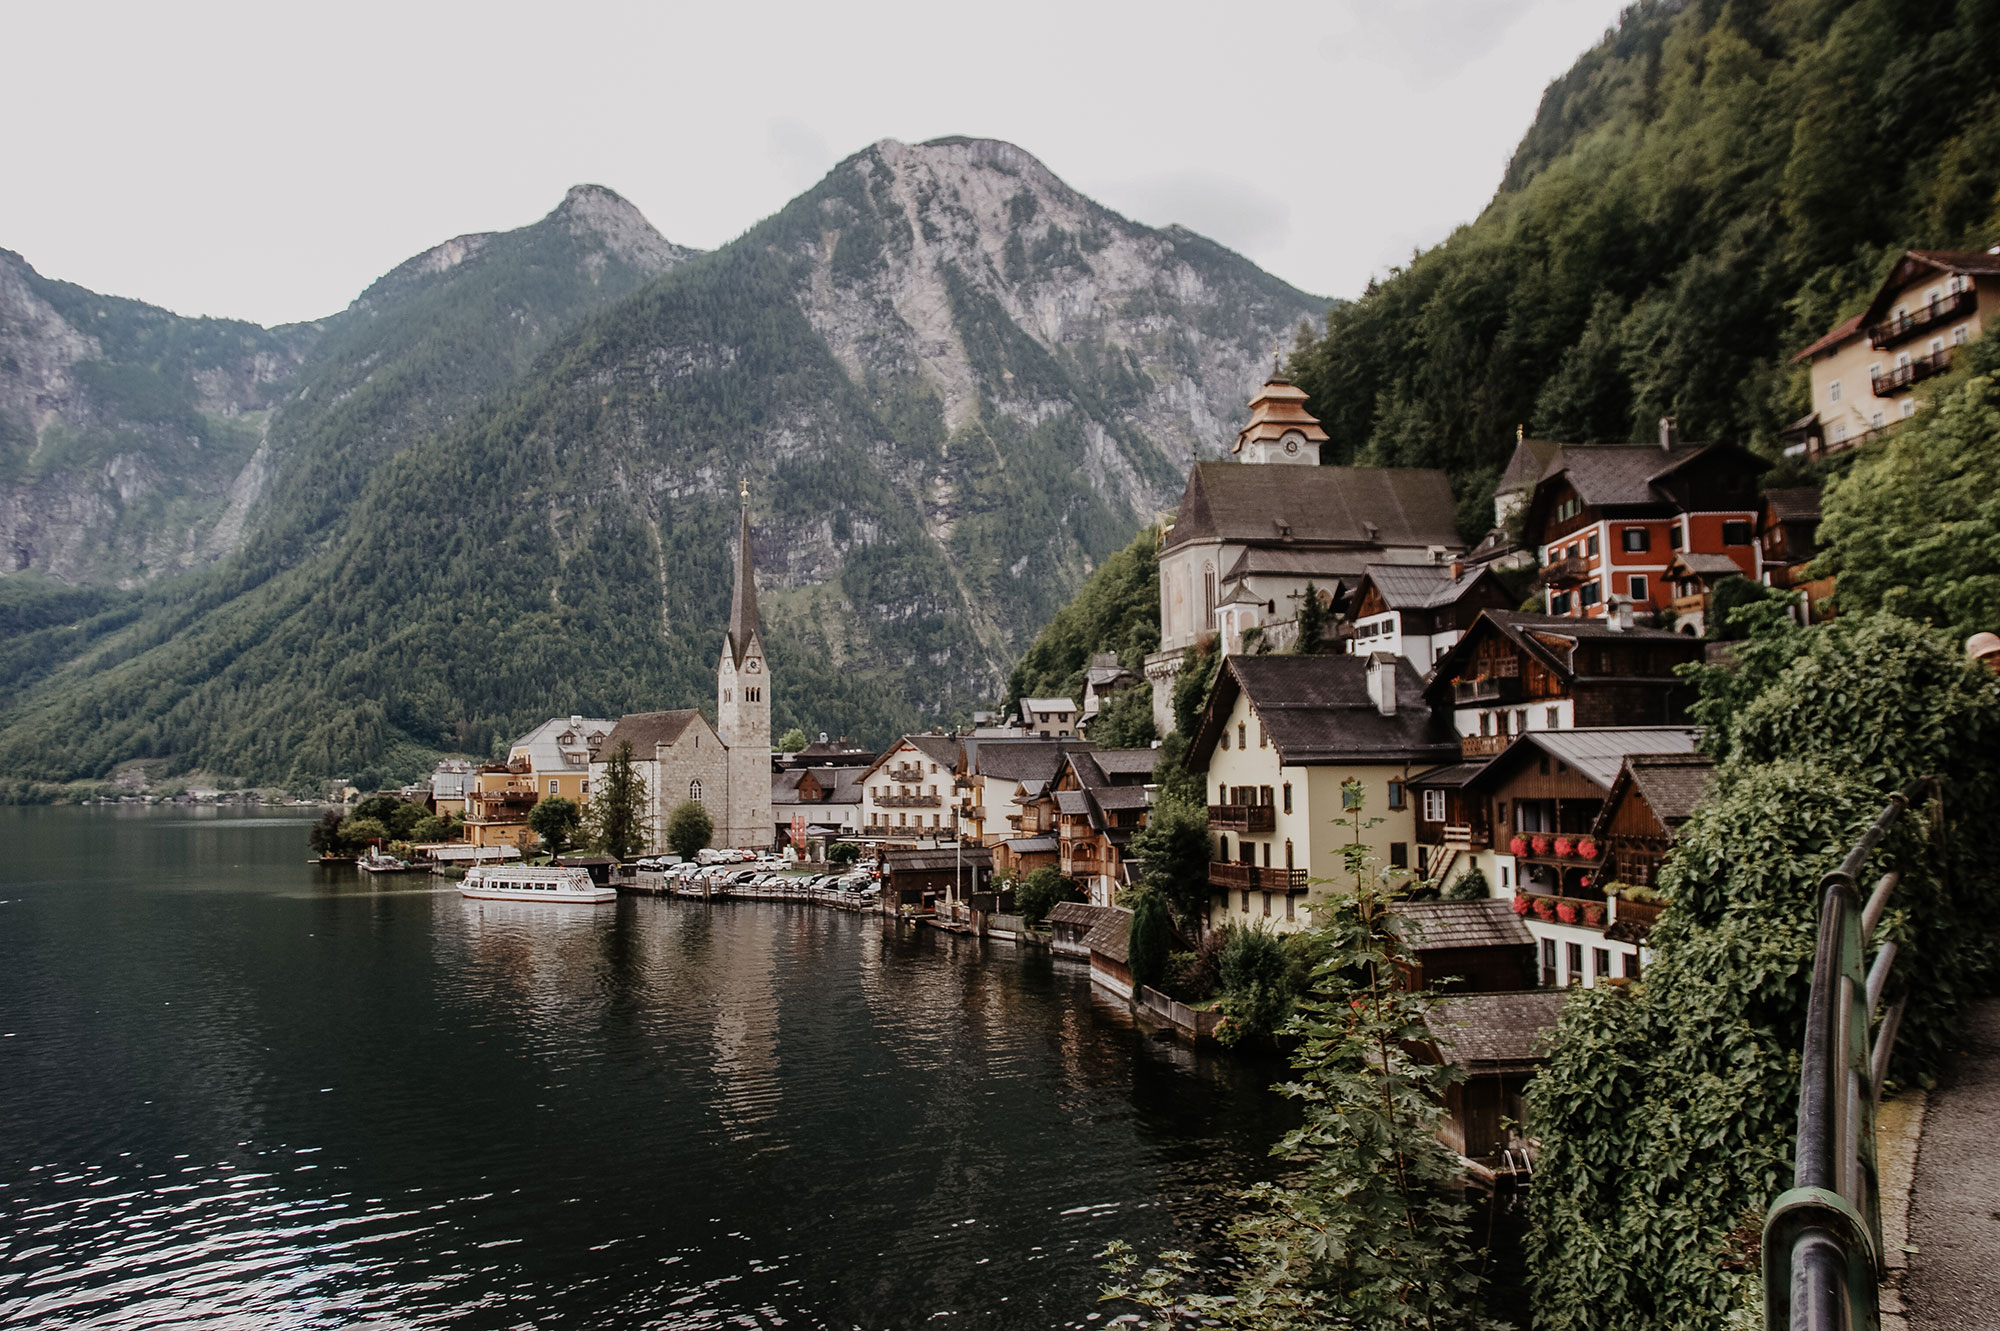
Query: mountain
952, 384
1703, 193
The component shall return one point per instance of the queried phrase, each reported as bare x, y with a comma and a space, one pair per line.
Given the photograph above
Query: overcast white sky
267, 161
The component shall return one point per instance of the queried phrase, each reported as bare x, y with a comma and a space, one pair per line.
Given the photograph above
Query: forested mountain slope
951, 383
1706, 191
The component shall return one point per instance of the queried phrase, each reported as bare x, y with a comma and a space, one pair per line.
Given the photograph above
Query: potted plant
1566, 912
1540, 843
1564, 845
1520, 903
1545, 909
1587, 847
1593, 914
1518, 846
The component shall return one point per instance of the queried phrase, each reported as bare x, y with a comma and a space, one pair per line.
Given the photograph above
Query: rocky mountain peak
594, 212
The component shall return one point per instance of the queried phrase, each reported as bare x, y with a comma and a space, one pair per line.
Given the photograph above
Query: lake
240, 1090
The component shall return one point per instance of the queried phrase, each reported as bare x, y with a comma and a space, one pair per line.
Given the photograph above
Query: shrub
1040, 892
1150, 940
689, 829
843, 852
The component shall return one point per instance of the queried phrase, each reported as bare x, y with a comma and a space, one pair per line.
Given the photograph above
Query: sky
267, 161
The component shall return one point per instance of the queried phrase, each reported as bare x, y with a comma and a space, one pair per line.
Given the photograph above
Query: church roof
1278, 408
1366, 507
647, 730
743, 622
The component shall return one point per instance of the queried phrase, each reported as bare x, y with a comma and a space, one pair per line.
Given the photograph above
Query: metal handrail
1823, 1237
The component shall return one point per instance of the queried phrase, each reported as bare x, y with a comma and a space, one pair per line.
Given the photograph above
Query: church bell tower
743, 708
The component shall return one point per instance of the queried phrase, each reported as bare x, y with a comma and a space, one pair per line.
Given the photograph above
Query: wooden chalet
1100, 800
1501, 1041
1694, 578
1465, 946
1788, 535
915, 881
1418, 611
1654, 793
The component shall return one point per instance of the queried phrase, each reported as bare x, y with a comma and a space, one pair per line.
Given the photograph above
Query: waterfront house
450, 784
1417, 611
1280, 737
1253, 532
1932, 303
906, 793
497, 805
990, 775
1465, 946
826, 800
1607, 519
678, 756
1514, 673
1109, 942
558, 754
1100, 799
1501, 1040
935, 879
1070, 923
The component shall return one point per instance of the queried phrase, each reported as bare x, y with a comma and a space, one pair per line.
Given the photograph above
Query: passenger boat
522, 882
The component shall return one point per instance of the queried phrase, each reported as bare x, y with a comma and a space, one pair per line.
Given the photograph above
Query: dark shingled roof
1794, 503
1125, 762
1120, 797
1457, 774
932, 861
940, 749
1528, 631
1074, 802
1708, 565
1336, 566
1606, 474
647, 730
1111, 934
744, 624
1236, 501
1496, 1030
1525, 467
1434, 925
1021, 760
1080, 913
1597, 752
1032, 845
1673, 784
1316, 709
1422, 586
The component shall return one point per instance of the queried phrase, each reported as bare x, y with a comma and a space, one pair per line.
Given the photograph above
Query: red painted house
1607, 519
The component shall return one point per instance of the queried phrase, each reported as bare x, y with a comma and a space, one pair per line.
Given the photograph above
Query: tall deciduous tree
617, 820
556, 821
689, 829
1173, 847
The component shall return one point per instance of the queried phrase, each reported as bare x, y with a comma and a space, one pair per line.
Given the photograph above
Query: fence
1823, 1238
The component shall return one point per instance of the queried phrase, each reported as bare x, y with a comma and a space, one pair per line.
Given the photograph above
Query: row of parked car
767, 871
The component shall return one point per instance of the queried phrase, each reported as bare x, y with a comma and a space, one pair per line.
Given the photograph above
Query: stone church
725, 767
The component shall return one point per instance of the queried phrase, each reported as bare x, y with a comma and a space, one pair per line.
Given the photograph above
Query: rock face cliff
951, 383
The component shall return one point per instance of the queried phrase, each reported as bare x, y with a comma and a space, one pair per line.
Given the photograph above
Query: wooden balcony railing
973, 812
1465, 836
1565, 572
1925, 317
906, 773
1486, 688
1482, 746
1255, 876
1243, 817
909, 801
1898, 378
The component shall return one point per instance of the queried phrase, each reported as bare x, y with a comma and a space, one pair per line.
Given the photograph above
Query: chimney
1618, 614
1457, 569
1669, 435
1382, 682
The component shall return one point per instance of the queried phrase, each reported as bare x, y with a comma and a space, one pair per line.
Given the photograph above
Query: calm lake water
240, 1090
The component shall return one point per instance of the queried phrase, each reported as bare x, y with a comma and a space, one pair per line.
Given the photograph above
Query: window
1288, 906
1589, 594
1264, 796
1486, 723
1839, 432
1433, 806
694, 790
1288, 855
1267, 854
1267, 905
1500, 812
1675, 538
1958, 335
1240, 730
1559, 603
583, 787
1555, 719
728, 695
1909, 408
1590, 546
1399, 854
1548, 961
1937, 345
1263, 741
1350, 798
1225, 737
1396, 796
1637, 538
1638, 586
1208, 603
553, 787
1573, 955
1833, 391
1288, 797
1504, 876
1600, 962
1246, 902
1521, 721
1568, 509
1631, 965
1736, 533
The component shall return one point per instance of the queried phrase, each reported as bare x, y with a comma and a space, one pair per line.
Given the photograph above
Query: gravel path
1954, 1274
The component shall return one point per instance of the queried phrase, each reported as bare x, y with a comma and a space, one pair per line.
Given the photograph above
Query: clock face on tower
1291, 445
753, 665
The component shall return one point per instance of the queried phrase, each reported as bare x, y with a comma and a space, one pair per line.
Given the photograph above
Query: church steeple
743, 622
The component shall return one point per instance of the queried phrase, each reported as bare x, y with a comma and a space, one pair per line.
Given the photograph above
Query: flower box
1564, 846
1593, 915
1544, 908
1520, 903
1518, 846
1541, 845
1566, 912
1587, 847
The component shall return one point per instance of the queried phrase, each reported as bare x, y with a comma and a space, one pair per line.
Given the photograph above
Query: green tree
1125, 720
1173, 847
1117, 610
1257, 990
1039, 893
792, 740
432, 829
357, 834
1193, 684
616, 821
325, 837
689, 829
1312, 621
557, 821
843, 852
1150, 940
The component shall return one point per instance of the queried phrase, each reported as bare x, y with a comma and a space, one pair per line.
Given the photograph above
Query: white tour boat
522, 882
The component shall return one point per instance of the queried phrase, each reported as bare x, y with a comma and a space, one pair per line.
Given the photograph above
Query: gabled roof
1422, 586
1704, 566
1525, 467
1492, 1031
1434, 925
1614, 475
1080, 913
1021, 759
940, 749
826, 751
1914, 266
1552, 639
1596, 753
1356, 506
842, 785
1111, 935
1049, 704
563, 743
1672, 784
1316, 710
932, 861
1839, 333
1115, 763
647, 730
1796, 503
1073, 802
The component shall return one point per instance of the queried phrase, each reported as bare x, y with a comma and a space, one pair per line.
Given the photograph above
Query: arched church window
694, 790
1208, 596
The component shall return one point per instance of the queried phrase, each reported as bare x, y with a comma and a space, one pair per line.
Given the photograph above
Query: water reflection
240, 1090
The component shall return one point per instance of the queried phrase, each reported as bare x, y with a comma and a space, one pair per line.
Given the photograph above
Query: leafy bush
1173, 846
1256, 982
556, 821
689, 829
843, 852
1040, 892
1469, 886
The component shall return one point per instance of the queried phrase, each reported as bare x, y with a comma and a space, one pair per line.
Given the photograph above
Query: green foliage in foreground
689, 829
1363, 1233
1704, 192
1117, 610
1668, 1109
1914, 526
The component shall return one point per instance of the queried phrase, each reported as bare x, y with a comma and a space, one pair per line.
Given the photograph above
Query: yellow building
558, 754
496, 807
1932, 303
1280, 738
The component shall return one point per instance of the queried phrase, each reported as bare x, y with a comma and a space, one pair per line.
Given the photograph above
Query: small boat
521, 882
376, 861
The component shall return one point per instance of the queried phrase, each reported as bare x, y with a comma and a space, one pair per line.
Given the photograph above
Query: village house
1501, 1040
1515, 673
1252, 533
1931, 303
450, 784
1788, 539
558, 754
906, 794
934, 880
822, 801
1527, 820
1100, 799
1280, 737
1502, 547
1654, 794
1049, 718
1103, 678
1417, 611
1607, 519
1692, 579
1465, 946
991, 774
497, 805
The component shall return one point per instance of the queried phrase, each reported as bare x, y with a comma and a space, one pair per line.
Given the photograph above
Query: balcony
1566, 572
1482, 746
1580, 912
1465, 836
973, 813
1243, 817
906, 773
910, 801
1487, 688
1924, 318
1899, 378
1255, 877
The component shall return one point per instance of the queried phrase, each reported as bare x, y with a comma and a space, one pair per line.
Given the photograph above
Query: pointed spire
743, 621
